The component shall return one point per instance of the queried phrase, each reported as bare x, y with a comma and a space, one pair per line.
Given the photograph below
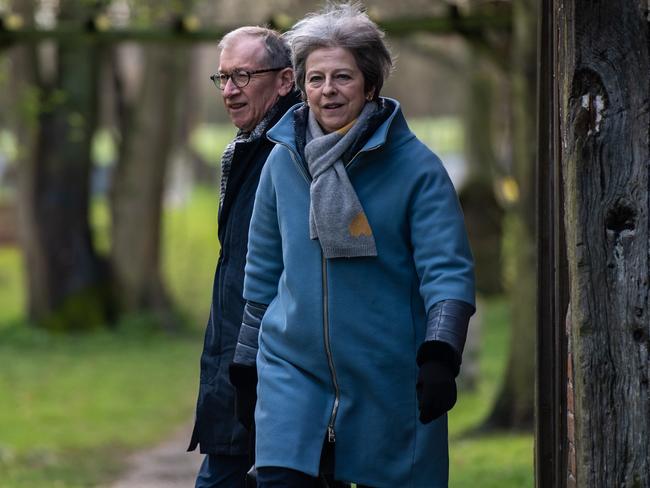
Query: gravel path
166, 465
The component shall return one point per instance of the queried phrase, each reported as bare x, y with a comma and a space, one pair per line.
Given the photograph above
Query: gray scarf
242, 136
336, 217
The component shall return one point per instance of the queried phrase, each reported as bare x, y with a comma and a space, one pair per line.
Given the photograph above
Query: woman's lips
332, 106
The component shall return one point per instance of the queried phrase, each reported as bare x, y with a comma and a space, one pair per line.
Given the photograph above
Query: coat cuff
247, 343
446, 333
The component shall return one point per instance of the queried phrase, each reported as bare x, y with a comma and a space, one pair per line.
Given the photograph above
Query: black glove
436, 390
244, 379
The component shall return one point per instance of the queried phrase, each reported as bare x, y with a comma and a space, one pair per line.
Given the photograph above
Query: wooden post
603, 71
552, 289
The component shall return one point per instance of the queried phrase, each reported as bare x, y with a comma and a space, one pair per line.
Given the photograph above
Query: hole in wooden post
620, 218
638, 335
588, 102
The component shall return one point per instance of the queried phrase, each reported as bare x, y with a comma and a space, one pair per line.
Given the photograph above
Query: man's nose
230, 88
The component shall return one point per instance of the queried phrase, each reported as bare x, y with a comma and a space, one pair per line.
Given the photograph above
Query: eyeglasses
239, 77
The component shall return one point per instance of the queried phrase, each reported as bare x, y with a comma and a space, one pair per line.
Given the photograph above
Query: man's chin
240, 122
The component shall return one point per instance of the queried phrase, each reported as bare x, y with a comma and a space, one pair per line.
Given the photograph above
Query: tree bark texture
147, 129
22, 83
604, 76
55, 120
515, 404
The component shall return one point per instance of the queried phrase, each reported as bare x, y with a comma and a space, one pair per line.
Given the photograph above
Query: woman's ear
286, 81
370, 94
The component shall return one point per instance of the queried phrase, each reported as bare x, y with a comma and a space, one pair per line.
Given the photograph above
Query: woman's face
334, 86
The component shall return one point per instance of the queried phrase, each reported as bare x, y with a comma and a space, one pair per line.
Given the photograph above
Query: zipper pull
331, 437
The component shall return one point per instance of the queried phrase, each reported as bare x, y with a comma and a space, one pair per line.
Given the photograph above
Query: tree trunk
147, 128
67, 281
514, 407
483, 213
604, 76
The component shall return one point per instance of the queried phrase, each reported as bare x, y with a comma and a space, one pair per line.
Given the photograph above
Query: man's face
247, 106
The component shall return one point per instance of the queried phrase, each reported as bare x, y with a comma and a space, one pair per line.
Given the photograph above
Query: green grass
494, 460
79, 399
71, 407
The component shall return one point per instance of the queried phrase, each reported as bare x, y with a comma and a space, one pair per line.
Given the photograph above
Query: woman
357, 246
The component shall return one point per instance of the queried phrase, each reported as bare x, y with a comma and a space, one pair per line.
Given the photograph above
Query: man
256, 83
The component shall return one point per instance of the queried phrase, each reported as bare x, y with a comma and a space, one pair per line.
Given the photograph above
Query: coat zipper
331, 434
361, 152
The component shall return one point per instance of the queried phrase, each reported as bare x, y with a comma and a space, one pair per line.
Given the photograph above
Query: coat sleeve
264, 263
441, 254
248, 339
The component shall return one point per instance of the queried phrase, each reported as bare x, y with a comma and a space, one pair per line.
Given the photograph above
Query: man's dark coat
216, 429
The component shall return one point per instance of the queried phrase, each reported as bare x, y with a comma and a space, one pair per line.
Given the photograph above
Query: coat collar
248, 158
284, 131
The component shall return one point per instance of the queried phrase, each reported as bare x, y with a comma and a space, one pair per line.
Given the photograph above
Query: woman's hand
436, 390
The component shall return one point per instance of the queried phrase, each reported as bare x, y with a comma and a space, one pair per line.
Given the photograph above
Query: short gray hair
346, 26
278, 54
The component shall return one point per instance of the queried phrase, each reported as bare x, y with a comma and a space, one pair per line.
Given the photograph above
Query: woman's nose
329, 88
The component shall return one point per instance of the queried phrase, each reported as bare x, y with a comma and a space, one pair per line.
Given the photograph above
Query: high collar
284, 131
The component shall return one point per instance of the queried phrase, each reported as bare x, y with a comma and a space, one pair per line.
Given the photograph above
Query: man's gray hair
346, 26
277, 50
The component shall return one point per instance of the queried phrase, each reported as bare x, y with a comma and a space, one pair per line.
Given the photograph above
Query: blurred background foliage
110, 142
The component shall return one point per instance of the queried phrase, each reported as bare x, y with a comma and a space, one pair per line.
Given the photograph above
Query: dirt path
166, 465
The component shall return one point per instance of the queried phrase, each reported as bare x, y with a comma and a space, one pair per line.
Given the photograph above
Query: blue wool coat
338, 342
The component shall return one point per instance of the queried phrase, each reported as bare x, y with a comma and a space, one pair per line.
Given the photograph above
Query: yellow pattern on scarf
344, 130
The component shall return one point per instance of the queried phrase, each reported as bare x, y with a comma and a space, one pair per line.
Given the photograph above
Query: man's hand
244, 379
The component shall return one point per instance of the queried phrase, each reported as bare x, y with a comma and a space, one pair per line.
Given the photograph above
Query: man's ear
286, 81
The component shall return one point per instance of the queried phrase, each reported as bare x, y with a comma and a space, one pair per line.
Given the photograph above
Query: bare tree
515, 403
147, 126
54, 119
